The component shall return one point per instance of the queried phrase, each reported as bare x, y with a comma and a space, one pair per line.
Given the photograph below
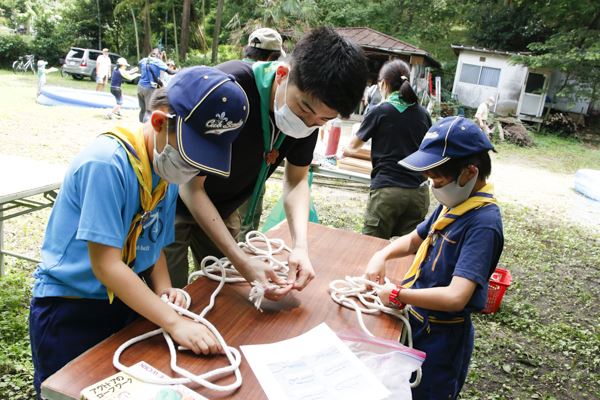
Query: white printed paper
316, 365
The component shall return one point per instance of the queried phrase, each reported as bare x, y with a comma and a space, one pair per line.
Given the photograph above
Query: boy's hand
258, 270
385, 291
194, 336
301, 269
174, 296
375, 270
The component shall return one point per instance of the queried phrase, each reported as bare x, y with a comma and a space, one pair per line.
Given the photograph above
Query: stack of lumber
355, 164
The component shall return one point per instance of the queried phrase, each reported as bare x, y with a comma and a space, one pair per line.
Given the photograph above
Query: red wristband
394, 298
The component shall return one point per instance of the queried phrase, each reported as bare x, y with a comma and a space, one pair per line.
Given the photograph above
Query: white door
533, 94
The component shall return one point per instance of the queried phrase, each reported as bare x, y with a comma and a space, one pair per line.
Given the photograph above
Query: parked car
81, 63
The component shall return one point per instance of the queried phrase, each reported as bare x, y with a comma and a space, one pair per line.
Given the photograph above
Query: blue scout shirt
470, 247
147, 64
97, 202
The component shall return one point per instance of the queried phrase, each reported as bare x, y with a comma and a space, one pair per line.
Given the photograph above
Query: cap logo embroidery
221, 124
431, 135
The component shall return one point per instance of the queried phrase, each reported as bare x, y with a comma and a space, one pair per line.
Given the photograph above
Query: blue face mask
288, 122
452, 194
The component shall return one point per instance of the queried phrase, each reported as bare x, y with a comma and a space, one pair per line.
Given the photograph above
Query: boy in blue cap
457, 249
115, 214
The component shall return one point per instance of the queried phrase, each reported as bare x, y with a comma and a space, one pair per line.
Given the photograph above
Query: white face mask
452, 194
169, 165
288, 122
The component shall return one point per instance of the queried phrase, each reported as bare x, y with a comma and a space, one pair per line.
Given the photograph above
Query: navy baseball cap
211, 109
450, 137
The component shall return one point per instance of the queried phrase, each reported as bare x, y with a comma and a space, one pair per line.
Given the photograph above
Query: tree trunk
137, 38
147, 29
215, 43
185, 28
175, 35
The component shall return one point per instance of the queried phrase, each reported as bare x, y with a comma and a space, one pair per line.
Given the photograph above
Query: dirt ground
548, 192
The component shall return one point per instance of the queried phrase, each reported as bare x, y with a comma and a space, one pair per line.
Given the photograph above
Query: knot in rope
260, 247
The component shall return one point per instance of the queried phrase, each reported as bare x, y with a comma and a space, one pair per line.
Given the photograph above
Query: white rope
211, 267
233, 355
346, 291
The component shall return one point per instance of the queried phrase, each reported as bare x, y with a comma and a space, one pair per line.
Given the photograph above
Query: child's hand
174, 296
375, 271
194, 336
385, 291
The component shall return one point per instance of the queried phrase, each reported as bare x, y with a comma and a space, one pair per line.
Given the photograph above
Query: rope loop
351, 292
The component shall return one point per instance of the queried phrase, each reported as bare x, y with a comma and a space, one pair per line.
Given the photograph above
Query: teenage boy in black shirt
324, 77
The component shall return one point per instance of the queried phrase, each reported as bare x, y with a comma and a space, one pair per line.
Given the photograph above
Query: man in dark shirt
324, 78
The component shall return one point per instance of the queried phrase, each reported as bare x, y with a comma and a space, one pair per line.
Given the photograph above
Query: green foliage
11, 47
226, 53
493, 24
16, 371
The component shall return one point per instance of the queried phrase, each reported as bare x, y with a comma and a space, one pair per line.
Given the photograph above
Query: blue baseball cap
211, 109
450, 137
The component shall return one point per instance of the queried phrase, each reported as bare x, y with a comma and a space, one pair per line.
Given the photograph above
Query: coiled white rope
211, 267
233, 355
345, 291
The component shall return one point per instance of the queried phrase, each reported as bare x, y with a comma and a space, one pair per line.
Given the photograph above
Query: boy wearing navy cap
457, 249
325, 78
114, 215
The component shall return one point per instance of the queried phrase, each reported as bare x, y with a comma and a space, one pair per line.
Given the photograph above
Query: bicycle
24, 63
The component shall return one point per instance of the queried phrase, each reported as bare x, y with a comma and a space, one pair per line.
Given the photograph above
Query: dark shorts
61, 329
448, 347
116, 91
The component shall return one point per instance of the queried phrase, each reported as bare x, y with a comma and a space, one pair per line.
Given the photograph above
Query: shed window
469, 73
479, 75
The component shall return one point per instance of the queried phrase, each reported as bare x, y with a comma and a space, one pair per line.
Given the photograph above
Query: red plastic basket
499, 282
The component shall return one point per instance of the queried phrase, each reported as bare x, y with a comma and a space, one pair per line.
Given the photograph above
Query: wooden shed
380, 48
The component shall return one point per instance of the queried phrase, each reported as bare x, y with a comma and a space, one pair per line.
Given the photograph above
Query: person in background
264, 44
482, 114
150, 69
41, 74
373, 97
103, 65
164, 76
457, 249
399, 197
118, 74
102, 256
325, 78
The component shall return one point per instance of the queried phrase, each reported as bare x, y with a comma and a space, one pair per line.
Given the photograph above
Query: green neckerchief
264, 75
398, 102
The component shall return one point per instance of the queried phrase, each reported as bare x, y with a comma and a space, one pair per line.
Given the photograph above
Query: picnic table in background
22, 180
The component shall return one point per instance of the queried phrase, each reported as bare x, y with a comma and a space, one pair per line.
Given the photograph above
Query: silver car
80, 63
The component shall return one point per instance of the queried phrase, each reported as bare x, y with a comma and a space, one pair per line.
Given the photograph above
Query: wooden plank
334, 253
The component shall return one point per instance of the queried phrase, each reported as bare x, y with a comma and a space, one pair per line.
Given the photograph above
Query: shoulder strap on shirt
134, 145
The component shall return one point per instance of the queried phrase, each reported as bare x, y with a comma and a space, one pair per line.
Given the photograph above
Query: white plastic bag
391, 362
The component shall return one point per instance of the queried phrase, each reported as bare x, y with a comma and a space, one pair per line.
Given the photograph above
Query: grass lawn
544, 343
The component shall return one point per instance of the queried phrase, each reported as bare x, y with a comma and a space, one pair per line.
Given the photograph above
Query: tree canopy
558, 34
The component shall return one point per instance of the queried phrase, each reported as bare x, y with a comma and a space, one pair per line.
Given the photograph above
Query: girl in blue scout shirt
115, 214
457, 249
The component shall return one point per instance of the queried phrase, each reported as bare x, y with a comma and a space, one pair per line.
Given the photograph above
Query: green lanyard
264, 75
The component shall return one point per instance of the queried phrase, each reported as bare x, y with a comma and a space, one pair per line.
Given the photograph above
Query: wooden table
334, 254
20, 180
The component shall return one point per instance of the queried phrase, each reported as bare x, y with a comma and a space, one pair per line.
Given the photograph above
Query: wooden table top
334, 253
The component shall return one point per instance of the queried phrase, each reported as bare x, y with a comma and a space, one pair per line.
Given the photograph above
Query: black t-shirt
394, 136
247, 152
